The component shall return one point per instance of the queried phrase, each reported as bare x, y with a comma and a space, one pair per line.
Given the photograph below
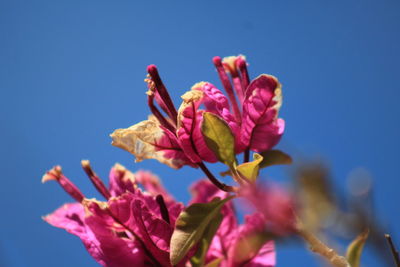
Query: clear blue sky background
72, 71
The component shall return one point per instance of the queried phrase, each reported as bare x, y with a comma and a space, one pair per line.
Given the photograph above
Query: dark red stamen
242, 66
66, 184
163, 208
96, 181
163, 121
246, 156
237, 83
162, 91
228, 87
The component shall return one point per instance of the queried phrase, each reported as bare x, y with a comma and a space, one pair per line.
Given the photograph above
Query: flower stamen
163, 208
96, 181
163, 121
162, 91
228, 87
241, 64
71, 189
230, 66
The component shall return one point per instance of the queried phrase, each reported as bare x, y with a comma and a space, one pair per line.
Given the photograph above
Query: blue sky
72, 71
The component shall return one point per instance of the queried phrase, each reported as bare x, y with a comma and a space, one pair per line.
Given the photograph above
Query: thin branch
393, 249
320, 248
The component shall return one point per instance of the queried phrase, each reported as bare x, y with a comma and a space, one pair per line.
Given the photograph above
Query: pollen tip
47, 177
241, 62
52, 175
85, 163
217, 60
119, 167
151, 69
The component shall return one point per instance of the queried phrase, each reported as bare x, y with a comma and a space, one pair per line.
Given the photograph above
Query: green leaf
214, 263
354, 250
198, 259
219, 138
274, 157
250, 169
191, 225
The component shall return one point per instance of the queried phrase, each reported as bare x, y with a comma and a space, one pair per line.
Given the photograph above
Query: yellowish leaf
354, 250
250, 169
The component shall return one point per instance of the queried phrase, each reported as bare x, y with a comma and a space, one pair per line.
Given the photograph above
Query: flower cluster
140, 224
176, 139
133, 227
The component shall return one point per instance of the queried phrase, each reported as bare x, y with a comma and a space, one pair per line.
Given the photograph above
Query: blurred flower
234, 244
131, 228
275, 204
177, 140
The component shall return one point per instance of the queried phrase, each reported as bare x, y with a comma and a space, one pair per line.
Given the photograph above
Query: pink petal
189, 133
152, 184
117, 251
153, 231
140, 213
170, 146
101, 242
71, 218
261, 129
216, 102
121, 180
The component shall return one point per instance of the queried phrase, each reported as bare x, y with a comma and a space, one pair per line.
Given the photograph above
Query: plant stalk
317, 246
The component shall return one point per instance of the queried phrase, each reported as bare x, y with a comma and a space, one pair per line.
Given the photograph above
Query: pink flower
130, 228
236, 245
250, 110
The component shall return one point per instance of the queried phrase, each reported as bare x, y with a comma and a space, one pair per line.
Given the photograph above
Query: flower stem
246, 156
211, 177
317, 246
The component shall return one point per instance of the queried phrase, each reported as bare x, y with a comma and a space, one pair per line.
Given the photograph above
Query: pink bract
132, 227
251, 111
